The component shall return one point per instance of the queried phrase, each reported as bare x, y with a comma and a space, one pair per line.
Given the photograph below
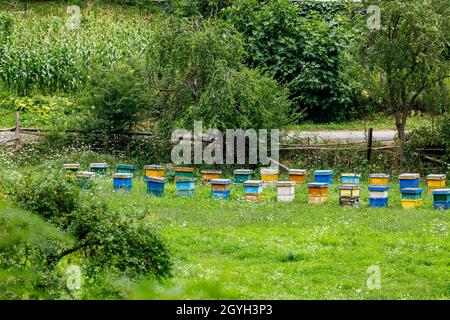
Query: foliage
433, 141
117, 98
43, 55
407, 56
196, 73
25, 243
112, 241
305, 52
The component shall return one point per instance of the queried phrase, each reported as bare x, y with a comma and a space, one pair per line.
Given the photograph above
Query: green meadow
270, 250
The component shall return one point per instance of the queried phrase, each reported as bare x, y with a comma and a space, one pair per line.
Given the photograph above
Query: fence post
17, 131
369, 144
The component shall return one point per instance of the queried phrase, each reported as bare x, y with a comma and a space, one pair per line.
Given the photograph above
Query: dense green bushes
105, 241
303, 51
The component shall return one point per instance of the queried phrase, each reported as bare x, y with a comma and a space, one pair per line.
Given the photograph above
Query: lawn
376, 121
270, 250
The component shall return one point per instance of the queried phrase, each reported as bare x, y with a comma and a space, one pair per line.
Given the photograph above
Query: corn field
42, 54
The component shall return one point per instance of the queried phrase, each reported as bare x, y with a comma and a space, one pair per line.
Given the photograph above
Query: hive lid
243, 171
436, 176
269, 171
211, 171
353, 175
86, 174
71, 165
323, 172
317, 185
285, 183
220, 181
441, 191
121, 175
153, 167
185, 179
253, 183
409, 176
378, 188
125, 166
98, 165
297, 171
184, 169
349, 187
411, 190
380, 175
157, 179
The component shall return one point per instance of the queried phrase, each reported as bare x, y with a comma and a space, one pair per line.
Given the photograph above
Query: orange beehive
208, 175
298, 175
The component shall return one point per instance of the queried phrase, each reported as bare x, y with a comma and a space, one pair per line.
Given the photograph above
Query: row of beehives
349, 190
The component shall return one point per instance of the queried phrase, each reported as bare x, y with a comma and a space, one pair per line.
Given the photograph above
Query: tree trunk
400, 122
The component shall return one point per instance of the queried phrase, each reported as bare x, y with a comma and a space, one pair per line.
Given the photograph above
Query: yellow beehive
297, 175
410, 204
154, 171
208, 175
269, 175
436, 181
379, 179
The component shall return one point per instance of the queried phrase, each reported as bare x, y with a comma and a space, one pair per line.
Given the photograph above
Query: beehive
71, 167
99, 168
155, 185
441, 198
436, 181
184, 172
185, 186
154, 171
269, 176
323, 176
298, 176
220, 188
253, 190
242, 175
317, 192
349, 194
285, 191
125, 168
411, 197
84, 179
208, 175
379, 179
122, 181
378, 196
350, 178
409, 180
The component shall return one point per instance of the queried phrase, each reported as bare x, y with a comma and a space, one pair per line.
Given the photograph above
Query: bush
114, 242
304, 51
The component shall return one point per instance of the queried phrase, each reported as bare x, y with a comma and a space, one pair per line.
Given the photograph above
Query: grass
234, 249
377, 122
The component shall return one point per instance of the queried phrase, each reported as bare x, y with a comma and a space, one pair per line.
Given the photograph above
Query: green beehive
125, 168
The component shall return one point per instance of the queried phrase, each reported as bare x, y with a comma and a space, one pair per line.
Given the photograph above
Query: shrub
304, 51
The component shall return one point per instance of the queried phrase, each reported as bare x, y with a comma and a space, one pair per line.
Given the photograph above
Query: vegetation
408, 56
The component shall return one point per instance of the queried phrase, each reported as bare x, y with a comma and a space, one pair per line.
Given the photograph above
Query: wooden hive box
122, 181
285, 191
436, 181
208, 175
185, 186
220, 188
409, 180
441, 198
155, 185
184, 172
242, 175
317, 192
125, 168
154, 171
269, 175
99, 168
350, 178
323, 176
84, 179
378, 196
298, 176
379, 179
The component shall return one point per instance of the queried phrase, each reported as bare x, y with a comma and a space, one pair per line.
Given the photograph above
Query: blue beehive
122, 181
254, 187
411, 193
155, 186
441, 199
220, 188
242, 175
350, 178
323, 176
185, 186
378, 196
409, 180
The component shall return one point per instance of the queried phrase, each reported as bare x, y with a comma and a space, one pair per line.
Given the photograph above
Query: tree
408, 56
